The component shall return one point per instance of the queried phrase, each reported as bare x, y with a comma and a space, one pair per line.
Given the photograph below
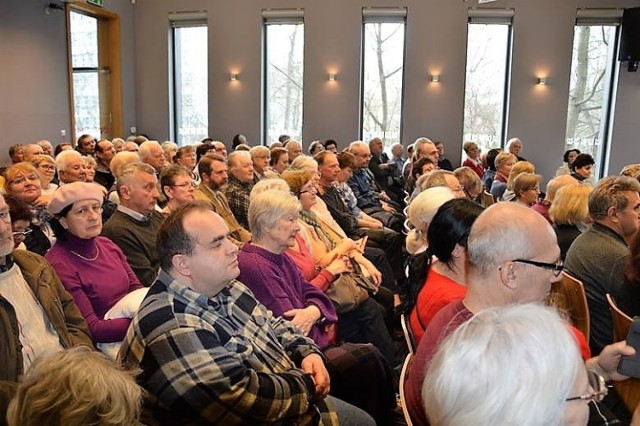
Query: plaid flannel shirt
237, 194
221, 360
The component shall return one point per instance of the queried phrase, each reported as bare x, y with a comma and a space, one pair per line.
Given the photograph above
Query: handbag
347, 292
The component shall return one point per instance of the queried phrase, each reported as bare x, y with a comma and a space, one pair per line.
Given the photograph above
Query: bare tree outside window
590, 89
485, 84
190, 84
86, 74
284, 57
382, 81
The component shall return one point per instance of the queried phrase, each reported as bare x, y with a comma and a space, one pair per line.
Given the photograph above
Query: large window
487, 77
284, 71
382, 74
94, 43
591, 88
190, 103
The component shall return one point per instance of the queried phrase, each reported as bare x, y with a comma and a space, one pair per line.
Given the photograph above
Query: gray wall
34, 88
33, 81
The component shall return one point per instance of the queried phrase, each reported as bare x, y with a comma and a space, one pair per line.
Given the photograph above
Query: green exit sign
99, 3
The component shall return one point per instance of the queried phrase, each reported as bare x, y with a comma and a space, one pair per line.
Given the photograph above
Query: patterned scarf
311, 219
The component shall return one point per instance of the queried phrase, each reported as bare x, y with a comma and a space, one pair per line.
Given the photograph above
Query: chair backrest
403, 379
488, 199
569, 297
408, 335
628, 390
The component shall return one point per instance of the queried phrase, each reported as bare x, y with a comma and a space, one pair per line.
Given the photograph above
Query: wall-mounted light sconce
434, 78
331, 77
542, 81
233, 77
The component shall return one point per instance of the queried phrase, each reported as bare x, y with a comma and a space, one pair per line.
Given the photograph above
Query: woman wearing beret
92, 268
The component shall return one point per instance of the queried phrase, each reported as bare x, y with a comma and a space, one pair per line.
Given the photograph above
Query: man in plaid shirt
209, 352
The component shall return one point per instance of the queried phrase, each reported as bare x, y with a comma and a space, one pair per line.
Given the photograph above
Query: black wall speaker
630, 38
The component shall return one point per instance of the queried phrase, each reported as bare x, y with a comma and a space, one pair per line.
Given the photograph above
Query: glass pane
591, 74
486, 77
86, 101
84, 41
382, 85
191, 85
285, 68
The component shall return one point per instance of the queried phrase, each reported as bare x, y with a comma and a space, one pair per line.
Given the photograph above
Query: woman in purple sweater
92, 268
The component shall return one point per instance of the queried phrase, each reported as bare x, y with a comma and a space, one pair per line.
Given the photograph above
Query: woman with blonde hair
470, 182
570, 214
46, 167
504, 163
76, 387
23, 182
518, 168
526, 187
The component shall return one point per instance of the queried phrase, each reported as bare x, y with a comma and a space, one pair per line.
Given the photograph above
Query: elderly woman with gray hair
359, 374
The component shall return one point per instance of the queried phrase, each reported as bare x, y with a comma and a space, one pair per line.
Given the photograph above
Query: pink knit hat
76, 191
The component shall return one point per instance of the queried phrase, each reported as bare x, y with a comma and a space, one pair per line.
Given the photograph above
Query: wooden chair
488, 199
408, 335
403, 379
568, 296
628, 390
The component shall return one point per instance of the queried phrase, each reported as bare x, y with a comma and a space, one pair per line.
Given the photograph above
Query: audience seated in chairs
92, 268
76, 387
359, 374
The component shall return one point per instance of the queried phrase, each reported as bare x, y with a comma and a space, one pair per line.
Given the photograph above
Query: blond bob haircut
571, 205
468, 179
39, 159
502, 158
76, 387
518, 168
525, 181
267, 208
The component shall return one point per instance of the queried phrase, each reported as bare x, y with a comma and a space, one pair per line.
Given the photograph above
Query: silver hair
268, 184
303, 162
63, 159
145, 149
231, 158
511, 354
128, 173
267, 207
499, 235
436, 178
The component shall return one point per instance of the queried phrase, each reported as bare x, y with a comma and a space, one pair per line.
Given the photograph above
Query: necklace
86, 258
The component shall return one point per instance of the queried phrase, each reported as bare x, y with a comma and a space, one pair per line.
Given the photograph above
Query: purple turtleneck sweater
96, 285
278, 284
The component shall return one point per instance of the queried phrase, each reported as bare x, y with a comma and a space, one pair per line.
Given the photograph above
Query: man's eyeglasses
555, 267
22, 233
598, 385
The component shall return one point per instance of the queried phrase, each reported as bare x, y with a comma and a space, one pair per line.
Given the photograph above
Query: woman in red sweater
444, 274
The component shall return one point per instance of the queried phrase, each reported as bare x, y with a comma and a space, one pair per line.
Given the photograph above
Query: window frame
601, 17
176, 21
109, 57
488, 16
278, 17
383, 15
